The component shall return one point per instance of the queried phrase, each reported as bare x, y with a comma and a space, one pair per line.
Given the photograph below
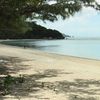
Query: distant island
36, 32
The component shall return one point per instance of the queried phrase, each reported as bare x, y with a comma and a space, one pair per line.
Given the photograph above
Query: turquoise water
79, 48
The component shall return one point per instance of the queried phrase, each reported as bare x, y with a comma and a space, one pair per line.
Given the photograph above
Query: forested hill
37, 32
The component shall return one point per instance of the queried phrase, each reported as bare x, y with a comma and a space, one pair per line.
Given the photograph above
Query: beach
62, 77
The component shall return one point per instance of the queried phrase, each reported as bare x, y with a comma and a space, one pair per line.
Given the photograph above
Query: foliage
37, 32
7, 82
40, 32
13, 13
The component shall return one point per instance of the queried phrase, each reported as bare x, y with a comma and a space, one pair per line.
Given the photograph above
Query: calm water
79, 48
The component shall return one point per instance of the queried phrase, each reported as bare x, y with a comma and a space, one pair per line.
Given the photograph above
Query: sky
85, 23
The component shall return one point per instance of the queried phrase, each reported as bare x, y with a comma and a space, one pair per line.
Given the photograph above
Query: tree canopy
13, 13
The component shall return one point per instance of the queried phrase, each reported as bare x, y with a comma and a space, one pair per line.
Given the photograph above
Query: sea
85, 48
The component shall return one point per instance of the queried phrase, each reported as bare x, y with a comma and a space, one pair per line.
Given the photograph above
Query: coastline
68, 68
75, 49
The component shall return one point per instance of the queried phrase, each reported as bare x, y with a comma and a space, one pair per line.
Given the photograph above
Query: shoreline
54, 55
43, 53
76, 55
47, 52
33, 54
60, 71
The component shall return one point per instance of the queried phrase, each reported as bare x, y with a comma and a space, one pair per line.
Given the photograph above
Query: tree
13, 13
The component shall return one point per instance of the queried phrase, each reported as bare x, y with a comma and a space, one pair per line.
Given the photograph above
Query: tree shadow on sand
80, 89
24, 85
9, 65
31, 85
77, 90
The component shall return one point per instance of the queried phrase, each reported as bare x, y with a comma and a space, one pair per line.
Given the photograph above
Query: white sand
71, 68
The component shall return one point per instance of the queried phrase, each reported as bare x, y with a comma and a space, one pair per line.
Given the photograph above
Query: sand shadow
79, 89
10, 65
32, 84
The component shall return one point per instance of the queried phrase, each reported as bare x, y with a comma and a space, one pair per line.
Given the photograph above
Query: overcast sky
83, 24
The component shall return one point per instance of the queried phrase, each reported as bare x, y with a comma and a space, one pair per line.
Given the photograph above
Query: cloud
83, 23
83, 16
